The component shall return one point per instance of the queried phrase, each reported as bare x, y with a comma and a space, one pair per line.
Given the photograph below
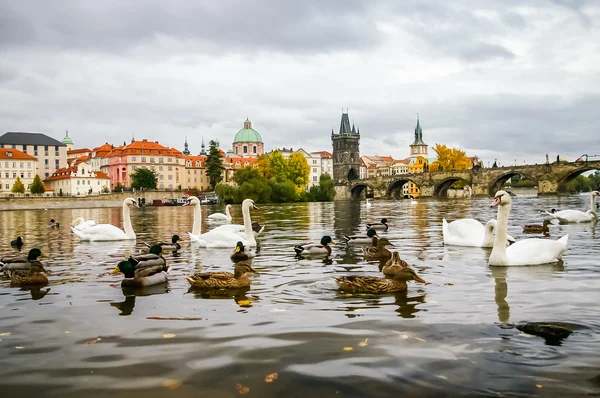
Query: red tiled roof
65, 174
194, 159
11, 153
324, 154
76, 151
144, 147
403, 161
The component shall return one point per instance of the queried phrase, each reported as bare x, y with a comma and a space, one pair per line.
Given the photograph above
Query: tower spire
186, 150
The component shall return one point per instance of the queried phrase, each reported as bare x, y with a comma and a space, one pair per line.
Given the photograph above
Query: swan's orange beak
187, 203
496, 201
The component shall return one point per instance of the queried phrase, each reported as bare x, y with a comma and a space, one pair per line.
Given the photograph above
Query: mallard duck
17, 243
223, 280
169, 247
381, 226
150, 259
371, 238
138, 277
53, 224
316, 248
394, 265
257, 228
378, 252
241, 252
21, 262
33, 276
375, 284
537, 229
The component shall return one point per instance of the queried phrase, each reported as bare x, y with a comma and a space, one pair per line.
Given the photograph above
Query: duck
537, 229
138, 277
371, 238
108, 232
80, 224
21, 262
316, 248
257, 228
17, 243
171, 247
34, 276
470, 232
224, 235
577, 216
221, 216
378, 252
53, 223
381, 226
533, 251
241, 252
394, 265
377, 285
150, 259
223, 280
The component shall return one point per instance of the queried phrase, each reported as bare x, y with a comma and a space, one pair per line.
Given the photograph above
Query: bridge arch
357, 191
564, 181
441, 189
394, 188
499, 181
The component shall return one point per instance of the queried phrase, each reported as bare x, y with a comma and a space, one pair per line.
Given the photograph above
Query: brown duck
375, 284
32, 277
537, 229
378, 252
394, 265
223, 280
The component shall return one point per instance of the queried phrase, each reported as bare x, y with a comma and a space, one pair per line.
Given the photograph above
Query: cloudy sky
502, 79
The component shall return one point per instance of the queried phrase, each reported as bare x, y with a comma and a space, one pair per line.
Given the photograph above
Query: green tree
37, 186
144, 179
324, 192
118, 187
278, 166
298, 171
263, 165
214, 165
282, 192
226, 193
18, 187
251, 184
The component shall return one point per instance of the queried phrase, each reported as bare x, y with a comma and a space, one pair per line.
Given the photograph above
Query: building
418, 147
194, 175
346, 154
247, 142
78, 180
13, 164
73, 154
326, 162
51, 154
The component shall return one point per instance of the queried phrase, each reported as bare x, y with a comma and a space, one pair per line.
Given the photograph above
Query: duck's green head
174, 239
327, 240
156, 249
126, 268
34, 254
384, 220
239, 247
371, 233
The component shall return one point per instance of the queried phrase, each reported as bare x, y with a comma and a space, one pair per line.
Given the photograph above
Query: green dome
67, 140
247, 134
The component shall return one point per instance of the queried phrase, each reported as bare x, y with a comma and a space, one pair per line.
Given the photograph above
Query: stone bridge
550, 179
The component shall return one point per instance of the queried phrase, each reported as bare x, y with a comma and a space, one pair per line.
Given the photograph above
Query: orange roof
82, 159
102, 150
404, 161
324, 154
76, 151
242, 161
372, 166
65, 174
46, 188
101, 174
11, 153
194, 159
144, 147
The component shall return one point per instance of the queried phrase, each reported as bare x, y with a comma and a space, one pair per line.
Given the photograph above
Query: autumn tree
263, 165
18, 187
144, 179
298, 170
449, 159
37, 186
214, 165
278, 166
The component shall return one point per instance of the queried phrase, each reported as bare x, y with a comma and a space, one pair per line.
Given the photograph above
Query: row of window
8, 186
143, 159
160, 168
14, 175
14, 165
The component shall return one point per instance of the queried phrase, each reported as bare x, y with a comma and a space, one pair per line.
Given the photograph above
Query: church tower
186, 150
346, 155
418, 147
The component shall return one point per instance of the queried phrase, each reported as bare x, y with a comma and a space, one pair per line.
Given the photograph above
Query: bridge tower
346, 155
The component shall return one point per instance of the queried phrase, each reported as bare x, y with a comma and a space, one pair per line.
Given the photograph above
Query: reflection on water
85, 336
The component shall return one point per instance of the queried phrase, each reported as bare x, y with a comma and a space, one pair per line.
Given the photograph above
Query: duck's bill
115, 271
237, 249
419, 279
254, 271
332, 242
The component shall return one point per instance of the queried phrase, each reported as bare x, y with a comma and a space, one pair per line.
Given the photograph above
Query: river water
81, 336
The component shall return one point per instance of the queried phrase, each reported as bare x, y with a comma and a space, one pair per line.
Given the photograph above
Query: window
161, 177
14, 175
245, 149
77, 182
170, 168
47, 174
21, 164
28, 165
170, 177
24, 149
134, 159
314, 178
151, 160
160, 168
143, 159
161, 160
169, 160
88, 182
46, 162
7, 186
254, 149
28, 175
22, 175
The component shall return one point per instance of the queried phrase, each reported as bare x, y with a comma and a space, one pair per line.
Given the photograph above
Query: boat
210, 198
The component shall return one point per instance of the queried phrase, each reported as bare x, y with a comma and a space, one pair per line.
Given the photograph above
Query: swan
575, 216
524, 252
221, 216
105, 232
222, 236
470, 232
368, 204
413, 201
80, 224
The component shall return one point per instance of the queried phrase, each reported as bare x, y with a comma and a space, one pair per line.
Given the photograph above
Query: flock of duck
142, 270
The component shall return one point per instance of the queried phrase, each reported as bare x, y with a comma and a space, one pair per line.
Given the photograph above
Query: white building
78, 179
326, 162
51, 154
13, 164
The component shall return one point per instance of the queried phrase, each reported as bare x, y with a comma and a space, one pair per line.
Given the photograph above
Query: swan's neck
127, 222
488, 236
227, 212
197, 227
248, 226
498, 255
593, 204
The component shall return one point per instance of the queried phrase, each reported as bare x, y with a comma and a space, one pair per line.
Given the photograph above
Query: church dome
67, 140
247, 134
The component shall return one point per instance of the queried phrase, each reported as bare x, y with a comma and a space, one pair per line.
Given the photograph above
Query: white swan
221, 216
80, 224
524, 252
470, 232
368, 204
222, 236
413, 201
575, 216
105, 232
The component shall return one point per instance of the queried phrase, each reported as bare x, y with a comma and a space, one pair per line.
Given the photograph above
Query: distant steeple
418, 134
186, 150
202, 148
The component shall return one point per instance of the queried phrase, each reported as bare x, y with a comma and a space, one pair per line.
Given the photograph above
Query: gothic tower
346, 155
418, 147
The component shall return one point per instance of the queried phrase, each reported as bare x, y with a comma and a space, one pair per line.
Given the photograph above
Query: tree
118, 187
37, 186
144, 179
226, 193
278, 166
298, 171
263, 165
324, 192
449, 159
214, 165
18, 187
282, 192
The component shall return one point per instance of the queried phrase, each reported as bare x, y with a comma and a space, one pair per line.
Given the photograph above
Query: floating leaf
244, 302
169, 335
93, 341
242, 389
5, 334
348, 348
19, 347
419, 339
271, 377
449, 284
538, 385
363, 343
172, 384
